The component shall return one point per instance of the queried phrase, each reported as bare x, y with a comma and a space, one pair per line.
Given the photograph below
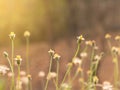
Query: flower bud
26, 34
5, 54
12, 35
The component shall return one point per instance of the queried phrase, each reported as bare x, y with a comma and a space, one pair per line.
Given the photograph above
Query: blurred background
52, 20
52, 23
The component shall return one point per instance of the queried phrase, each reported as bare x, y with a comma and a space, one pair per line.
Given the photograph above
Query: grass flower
18, 59
29, 85
51, 52
80, 39
56, 57
27, 36
12, 35
95, 79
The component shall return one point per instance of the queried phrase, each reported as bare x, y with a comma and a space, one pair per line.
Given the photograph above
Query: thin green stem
65, 76
18, 72
50, 66
57, 74
27, 55
77, 51
10, 65
116, 72
69, 68
76, 74
12, 58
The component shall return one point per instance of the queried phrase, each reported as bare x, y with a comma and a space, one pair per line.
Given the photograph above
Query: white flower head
97, 57
25, 80
22, 73
89, 43
83, 54
77, 60
41, 74
66, 86
107, 86
115, 49
80, 38
10, 74
3, 69
51, 75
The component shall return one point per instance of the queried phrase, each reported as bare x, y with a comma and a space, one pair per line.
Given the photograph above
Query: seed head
27, 34
18, 59
80, 39
12, 35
